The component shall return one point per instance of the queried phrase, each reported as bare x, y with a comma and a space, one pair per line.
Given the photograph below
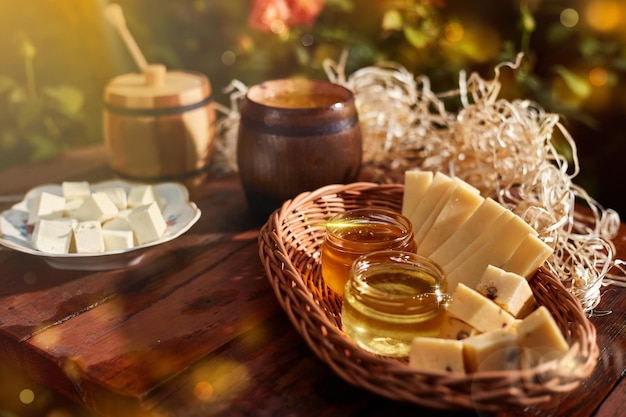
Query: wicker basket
289, 247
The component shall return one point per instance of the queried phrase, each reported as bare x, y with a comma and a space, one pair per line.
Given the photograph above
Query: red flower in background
279, 15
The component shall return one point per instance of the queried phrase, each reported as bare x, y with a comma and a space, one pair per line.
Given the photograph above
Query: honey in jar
357, 232
391, 297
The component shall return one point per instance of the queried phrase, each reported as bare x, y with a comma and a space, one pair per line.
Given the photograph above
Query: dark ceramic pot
296, 135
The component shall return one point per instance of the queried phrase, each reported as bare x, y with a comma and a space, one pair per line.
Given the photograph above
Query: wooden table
195, 330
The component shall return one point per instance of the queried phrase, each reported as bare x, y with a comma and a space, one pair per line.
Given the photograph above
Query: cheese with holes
416, 183
507, 289
460, 205
45, 206
75, 190
455, 328
528, 257
432, 354
98, 206
540, 338
477, 310
88, 237
53, 236
147, 222
491, 351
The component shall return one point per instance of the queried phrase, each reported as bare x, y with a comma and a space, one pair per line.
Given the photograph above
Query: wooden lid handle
115, 16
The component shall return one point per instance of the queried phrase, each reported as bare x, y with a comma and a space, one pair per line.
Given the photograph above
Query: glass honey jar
391, 297
359, 231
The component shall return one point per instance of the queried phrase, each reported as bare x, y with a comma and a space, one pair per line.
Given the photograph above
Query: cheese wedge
492, 351
528, 257
460, 205
416, 182
432, 354
477, 310
507, 289
540, 338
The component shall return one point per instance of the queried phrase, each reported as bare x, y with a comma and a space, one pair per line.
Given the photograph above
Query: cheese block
147, 223
460, 205
433, 354
455, 328
416, 182
88, 237
75, 190
428, 221
479, 221
98, 206
498, 244
528, 257
507, 289
45, 206
115, 239
438, 187
477, 310
141, 195
491, 351
118, 196
53, 236
540, 338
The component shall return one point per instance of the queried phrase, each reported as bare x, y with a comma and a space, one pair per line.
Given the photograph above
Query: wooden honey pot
159, 125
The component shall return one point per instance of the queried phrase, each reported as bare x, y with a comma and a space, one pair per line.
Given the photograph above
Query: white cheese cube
140, 195
75, 190
433, 354
540, 338
117, 223
45, 206
52, 236
477, 310
118, 196
491, 351
88, 237
147, 222
98, 206
71, 206
117, 239
510, 291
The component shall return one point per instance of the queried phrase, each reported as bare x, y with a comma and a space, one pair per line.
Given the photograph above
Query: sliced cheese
498, 244
540, 338
46, 206
481, 219
491, 351
477, 310
507, 289
433, 354
416, 182
461, 204
528, 257
435, 209
438, 187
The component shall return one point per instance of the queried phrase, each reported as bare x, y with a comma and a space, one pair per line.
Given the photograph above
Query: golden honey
357, 232
391, 297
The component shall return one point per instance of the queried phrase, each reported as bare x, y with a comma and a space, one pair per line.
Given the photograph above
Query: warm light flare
604, 15
569, 17
598, 77
27, 396
454, 32
203, 391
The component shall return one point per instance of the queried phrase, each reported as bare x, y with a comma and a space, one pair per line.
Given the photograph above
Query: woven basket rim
314, 313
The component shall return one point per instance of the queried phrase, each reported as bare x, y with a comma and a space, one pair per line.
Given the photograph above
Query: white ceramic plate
180, 214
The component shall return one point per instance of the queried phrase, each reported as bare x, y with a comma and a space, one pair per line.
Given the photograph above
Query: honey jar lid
157, 88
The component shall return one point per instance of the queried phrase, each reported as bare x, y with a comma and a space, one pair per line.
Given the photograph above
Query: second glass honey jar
359, 231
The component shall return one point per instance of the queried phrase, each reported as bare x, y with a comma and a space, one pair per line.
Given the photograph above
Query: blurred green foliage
575, 59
